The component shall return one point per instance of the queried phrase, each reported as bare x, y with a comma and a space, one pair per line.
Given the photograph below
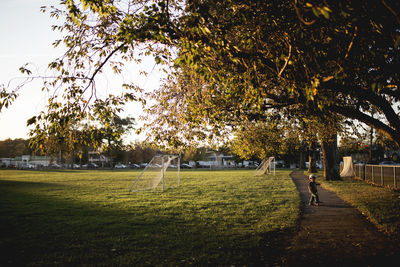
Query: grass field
381, 205
89, 218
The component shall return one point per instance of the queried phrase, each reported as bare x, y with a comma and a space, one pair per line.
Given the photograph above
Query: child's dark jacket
312, 187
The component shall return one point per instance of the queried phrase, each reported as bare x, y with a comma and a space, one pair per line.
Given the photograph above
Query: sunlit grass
88, 217
381, 205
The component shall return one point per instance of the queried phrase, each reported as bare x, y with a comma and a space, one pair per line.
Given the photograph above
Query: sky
26, 37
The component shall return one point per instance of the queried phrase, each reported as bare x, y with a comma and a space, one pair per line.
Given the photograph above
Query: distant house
228, 161
41, 161
6, 162
215, 160
98, 158
29, 162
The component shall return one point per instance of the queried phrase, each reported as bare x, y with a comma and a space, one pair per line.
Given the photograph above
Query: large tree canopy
234, 61
325, 57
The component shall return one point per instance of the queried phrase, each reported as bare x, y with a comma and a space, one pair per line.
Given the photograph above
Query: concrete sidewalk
337, 234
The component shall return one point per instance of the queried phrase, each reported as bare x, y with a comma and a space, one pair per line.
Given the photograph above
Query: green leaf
397, 42
31, 121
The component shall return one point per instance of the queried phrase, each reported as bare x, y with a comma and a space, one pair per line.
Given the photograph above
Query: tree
112, 134
335, 56
11, 148
141, 152
239, 59
295, 58
258, 140
270, 138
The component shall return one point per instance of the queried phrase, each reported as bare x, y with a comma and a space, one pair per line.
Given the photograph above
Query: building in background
97, 158
26, 162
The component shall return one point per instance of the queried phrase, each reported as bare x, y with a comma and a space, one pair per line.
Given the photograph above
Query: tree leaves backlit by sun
231, 62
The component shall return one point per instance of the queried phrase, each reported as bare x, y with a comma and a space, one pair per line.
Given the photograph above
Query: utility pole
370, 144
371, 135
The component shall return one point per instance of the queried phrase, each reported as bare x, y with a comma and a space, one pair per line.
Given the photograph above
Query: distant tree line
138, 152
11, 148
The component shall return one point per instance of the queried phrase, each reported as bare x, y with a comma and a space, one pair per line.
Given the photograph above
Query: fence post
394, 176
372, 174
382, 180
365, 171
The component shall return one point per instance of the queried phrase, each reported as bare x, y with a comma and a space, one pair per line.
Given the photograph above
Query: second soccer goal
162, 172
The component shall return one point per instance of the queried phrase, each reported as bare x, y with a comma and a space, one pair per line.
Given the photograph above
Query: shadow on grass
40, 229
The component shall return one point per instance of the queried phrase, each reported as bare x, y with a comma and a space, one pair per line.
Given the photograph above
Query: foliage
6, 98
260, 140
88, 218
11, 148
141, 152
350, 145
237, 60
113, 132
233, 62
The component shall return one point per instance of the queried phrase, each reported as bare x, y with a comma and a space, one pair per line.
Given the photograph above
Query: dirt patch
337, 234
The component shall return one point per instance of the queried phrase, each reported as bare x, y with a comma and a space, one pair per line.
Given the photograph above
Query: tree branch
391, 10
370, 121
301, 18
286, 62
375, 99
351, 43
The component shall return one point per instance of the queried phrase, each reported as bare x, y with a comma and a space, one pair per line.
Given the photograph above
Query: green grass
380, 204
89, 218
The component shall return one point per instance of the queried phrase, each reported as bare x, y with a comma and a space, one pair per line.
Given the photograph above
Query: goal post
163, 171
265, 167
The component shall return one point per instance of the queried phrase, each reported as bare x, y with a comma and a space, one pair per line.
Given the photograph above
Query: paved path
337, 234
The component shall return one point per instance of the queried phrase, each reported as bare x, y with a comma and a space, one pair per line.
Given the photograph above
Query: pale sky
26, 37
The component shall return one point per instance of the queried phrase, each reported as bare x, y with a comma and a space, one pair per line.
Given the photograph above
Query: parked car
185, 166
55, 166
28, 166
143, 165
120, 166
318, 164
388, 163
90, 166
134, 166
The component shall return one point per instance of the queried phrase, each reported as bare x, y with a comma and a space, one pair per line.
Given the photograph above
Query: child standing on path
312, 188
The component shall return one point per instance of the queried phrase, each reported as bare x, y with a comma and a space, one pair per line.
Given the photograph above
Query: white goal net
161, 172
348, 168
266, 167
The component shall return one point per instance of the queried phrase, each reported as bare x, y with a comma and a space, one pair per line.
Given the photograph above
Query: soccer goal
348, 168
162, 172
266, 167
214, 160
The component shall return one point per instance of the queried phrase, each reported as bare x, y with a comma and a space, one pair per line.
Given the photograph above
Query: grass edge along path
88, 218
381, 205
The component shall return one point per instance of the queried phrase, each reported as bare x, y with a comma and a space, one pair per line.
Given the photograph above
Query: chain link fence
385, 175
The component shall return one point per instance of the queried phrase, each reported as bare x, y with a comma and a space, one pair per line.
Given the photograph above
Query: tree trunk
72, 159
312, 159
330, 154
302, 163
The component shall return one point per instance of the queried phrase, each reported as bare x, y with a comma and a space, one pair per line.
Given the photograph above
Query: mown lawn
89, 218
380, 204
